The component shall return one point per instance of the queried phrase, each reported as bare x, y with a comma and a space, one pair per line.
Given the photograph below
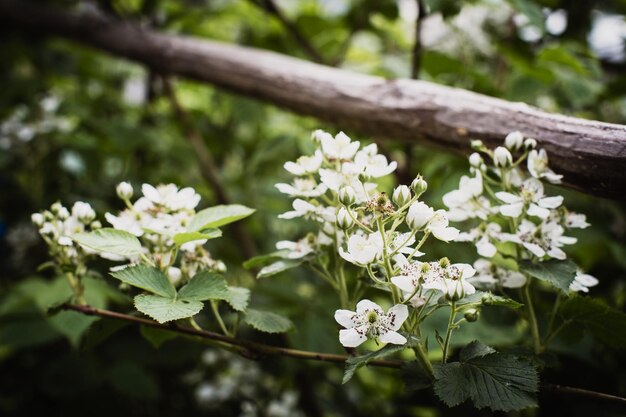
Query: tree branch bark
590, 154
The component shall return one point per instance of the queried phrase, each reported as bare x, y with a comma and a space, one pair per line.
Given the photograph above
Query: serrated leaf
266, 321
498, 381
604, 322
72, 325
218, 216
163, 309
556, 272
490, 299
146, 278
156, 337
182, 238
353, 364
238, 298
415, 377
278, 267
261, 260
205, 286
109, 240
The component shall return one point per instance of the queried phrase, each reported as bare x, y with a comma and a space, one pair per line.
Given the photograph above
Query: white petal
392, 337
512, 210
445, 233
535, 210
535, 249
364, 305
508, 197
400, 313
551, 202
351, 338
486, 248
345, 318
587, 280
404, 282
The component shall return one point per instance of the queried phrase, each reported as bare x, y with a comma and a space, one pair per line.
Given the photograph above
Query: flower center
372, 317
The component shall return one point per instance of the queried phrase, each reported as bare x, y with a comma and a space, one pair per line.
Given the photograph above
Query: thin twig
416, 60
252, 350
579, 392
270, 7
208, 168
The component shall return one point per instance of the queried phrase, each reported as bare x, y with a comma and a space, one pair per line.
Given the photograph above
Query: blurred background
74, 122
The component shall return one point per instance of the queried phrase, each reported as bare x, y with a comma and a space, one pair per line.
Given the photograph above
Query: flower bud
530, 143
419, 215
477, 144
56, 207
174, 274
419, 185
63, 213
471, 315
317, 135
514, 140
502, 157
444, 262
347, 195
344, 220
124, 190
475, 159
455, 290
363, 177
83, 212
401, 195
95, 225
37, 219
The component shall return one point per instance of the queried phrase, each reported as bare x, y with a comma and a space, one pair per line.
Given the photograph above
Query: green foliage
146, 278
205, 286
499, 381
267, 321
603, 321
110, 240
558, 273
217, 216
182, 238
238, 298
164, 309
353, 364
278, 267
155, 336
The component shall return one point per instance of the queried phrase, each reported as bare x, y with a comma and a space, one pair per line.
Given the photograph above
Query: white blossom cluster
57, 225
156, 217
335, 188
509, 204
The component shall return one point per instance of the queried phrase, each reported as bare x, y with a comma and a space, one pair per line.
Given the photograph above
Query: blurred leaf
603, 321
146, 278
261, 260
353, 364
238, 298
72, 325
205, 286
558, 273
218, 216
278, 266
156, 337
267, 321
181, 238
118, 242
164, 309
130, 379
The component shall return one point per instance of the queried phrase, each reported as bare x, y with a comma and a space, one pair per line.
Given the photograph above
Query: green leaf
262, 260
238, 298
182, 238
278, 267
218, 216
131, 380
164, 309
498, 381
118, 242
72, 325
205, 286
604, 322
490, 299
156, 337
353, 364
415, 377
556, 272
266, 321
146, 278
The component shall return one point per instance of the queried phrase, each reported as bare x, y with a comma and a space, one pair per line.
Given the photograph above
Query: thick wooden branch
591, 154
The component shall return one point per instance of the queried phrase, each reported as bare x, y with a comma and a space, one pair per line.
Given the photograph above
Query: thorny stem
446, 342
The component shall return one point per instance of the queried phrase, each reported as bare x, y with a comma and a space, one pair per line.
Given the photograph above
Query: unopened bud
95, 225
419, 215
530, 143
477, 144
475, 159
419, 185
471, 315
502, 157
344, 219
37, 219
124, 190
83, 212
401, 195
347, 195
514, 140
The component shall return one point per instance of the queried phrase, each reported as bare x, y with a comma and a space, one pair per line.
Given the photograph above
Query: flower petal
351, 337
392, 337
345, 318
397, 315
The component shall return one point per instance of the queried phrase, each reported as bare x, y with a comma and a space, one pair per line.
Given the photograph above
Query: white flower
83, 212
582, 282
373, 164
514, 140
419, 215
128, 220
370, 322
538, 167
453, 283
305, 164
401, 195
531, 194
124, 190
302, 187
341, 147
296, 250
37, 219
467, 202
402, 242
545, 239
303, 208
488, 276
576, 221
170, 197
502, 157
438, 226
363, 250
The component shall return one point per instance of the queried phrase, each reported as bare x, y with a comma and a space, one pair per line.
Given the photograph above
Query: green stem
77, 288
218, 317
422, 357
555, 310
532, 318
446, 342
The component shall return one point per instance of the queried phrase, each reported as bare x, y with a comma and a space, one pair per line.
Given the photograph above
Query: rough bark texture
591, 154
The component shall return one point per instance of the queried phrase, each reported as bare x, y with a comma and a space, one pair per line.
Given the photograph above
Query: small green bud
401, 195
419, 185
471, 315
344, 220
347, 195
